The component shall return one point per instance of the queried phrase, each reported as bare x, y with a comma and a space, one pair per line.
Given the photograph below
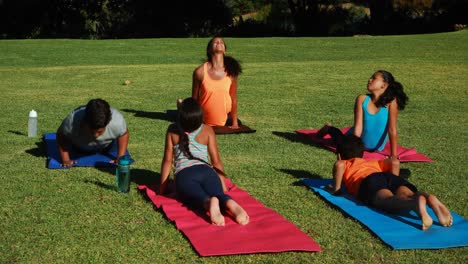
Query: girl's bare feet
443, 214
422, 210
215, 213
324, 130
238, 212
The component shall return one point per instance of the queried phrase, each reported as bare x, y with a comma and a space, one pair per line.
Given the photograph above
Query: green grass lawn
77, 216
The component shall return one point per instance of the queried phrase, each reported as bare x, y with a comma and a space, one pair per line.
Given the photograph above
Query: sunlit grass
288, 83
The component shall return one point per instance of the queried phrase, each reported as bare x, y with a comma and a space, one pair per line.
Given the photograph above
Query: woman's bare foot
324, 130
422, 210
238, 212
443, 214
215, 213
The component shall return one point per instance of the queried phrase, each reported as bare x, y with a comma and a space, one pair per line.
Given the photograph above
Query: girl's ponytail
184, 143
393, 91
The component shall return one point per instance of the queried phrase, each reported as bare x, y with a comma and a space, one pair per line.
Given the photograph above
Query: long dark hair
394, 90
232, 66
190, 118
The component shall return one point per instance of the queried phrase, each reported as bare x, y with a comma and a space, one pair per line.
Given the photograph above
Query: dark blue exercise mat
222, 130
90, 160
397, 231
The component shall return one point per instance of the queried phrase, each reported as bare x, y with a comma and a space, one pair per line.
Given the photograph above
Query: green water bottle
123, 175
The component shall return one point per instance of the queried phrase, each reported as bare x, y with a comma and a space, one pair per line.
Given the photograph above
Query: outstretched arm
214, 156
358, 115
166, 163
391, 165
197, 79
233, 94
63, 144
122, 144
392, 128
338, 171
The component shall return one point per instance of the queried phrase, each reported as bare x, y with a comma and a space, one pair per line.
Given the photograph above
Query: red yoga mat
266, 232
404, 154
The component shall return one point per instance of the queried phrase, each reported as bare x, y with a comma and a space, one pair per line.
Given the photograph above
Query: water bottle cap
124, 160
33, 113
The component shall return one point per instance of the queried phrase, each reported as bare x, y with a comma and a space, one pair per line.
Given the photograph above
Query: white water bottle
32, 124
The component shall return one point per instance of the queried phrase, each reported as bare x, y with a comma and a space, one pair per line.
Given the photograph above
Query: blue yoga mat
397, 231
93, 160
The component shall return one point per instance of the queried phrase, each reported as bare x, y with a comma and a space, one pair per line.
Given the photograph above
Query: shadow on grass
138, 176
39, 150
297, 138
102, 185
17, 133
299, 174
170, 115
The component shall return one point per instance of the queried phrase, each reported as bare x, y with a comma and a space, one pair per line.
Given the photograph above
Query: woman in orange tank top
214, 85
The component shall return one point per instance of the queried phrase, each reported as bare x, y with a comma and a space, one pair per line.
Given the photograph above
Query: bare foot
443, 214
215, 213
239, 213
425, 217
324, 130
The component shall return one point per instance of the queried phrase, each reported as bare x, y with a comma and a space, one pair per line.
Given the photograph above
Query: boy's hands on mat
68, 163
331, 189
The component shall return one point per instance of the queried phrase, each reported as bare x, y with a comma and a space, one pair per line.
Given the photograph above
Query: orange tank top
215, 99
358, 169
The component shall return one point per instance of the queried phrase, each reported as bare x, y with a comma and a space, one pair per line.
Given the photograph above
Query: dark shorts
378, 181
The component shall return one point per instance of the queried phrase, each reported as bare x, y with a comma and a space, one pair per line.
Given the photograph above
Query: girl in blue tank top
189, 147
375, 114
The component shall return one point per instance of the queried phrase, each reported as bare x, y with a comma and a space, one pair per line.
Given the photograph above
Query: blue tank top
198, 150
374, 129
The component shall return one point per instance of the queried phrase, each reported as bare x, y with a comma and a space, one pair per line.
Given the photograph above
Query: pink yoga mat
404, 154
267, 230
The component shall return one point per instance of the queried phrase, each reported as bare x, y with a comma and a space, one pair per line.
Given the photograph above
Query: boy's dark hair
97, 113
350, 147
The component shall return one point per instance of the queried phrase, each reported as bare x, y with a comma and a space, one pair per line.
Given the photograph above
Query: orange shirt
358, 169
215, 99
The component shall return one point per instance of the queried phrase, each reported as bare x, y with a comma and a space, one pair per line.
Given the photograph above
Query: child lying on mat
188, 144
376, 183
375, 114
92, 129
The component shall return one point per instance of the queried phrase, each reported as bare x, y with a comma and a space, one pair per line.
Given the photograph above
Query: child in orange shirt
376, 183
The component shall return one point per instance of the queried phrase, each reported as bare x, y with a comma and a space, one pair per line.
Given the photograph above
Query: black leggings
196, 184
336, 135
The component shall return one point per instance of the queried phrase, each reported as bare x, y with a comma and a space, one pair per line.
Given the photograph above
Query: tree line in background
100, 19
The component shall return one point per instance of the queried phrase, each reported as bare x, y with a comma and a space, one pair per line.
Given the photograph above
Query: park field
76, 215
